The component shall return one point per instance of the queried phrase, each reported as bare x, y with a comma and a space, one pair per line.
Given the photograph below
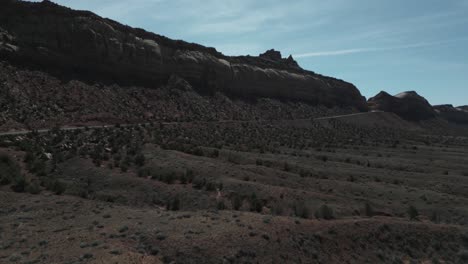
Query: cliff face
408, 105
452, 114
83, 45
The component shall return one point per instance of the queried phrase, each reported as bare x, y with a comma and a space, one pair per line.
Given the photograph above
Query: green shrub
33, 188
220, 205
368, 210
301, 210
123, 166
324, 212
9, 170
236, 202
140, 160
256, 205
174, 204
57, 187
413, 213
19, 184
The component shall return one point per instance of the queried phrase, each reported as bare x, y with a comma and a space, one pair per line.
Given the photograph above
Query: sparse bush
413, 212
255, 204
236, 202
189, 175
19, 184
463, 256
210, 186
199, 183
33, 188
57, 187
301, 210
324, 212
322, 158
368, 210
123, 166
220, 205
140, 160
174, 204
435, 217
9, 170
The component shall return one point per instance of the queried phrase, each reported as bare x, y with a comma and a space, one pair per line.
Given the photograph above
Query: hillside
80, 45
118, 145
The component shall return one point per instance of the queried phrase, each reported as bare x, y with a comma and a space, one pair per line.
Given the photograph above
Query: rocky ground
257, 192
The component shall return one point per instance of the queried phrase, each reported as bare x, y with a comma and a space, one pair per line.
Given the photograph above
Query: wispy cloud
376, 49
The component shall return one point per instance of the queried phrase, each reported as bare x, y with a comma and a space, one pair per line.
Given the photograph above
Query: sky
377, 45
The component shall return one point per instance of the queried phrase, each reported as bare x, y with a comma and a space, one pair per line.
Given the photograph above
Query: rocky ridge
452, 114
408, 105
81, 45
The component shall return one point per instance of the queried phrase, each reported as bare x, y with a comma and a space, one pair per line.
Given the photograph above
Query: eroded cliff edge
80, 44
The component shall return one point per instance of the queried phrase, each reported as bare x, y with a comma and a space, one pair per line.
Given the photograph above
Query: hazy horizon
375, 45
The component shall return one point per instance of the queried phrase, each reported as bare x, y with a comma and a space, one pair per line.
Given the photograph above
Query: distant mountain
408, 105
81, 45
453, 114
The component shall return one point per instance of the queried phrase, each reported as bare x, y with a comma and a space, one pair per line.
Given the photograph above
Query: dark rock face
408, 105
463, 108
271, 55
453, 114
81, 45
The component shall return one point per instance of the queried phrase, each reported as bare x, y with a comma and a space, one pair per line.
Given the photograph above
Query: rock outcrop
82, 45
408, 105
458, 115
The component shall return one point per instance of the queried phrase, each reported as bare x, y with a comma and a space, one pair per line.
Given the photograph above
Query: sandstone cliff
81, 45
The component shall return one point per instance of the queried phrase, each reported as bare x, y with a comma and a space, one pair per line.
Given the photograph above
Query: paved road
43, 131
340, 116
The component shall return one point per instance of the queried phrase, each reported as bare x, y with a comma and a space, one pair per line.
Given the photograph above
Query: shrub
236, 202
9, 170
255, 204
324, 212
413, 213
57, 187
174, 204
199, 183
33, 188
435, 218
124, 166
220, 205
140, 160
210, 187
301, 210
19, 184
368, 210
463, 255
189, 175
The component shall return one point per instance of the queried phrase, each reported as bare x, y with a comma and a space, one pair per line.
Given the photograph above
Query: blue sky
378, 45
